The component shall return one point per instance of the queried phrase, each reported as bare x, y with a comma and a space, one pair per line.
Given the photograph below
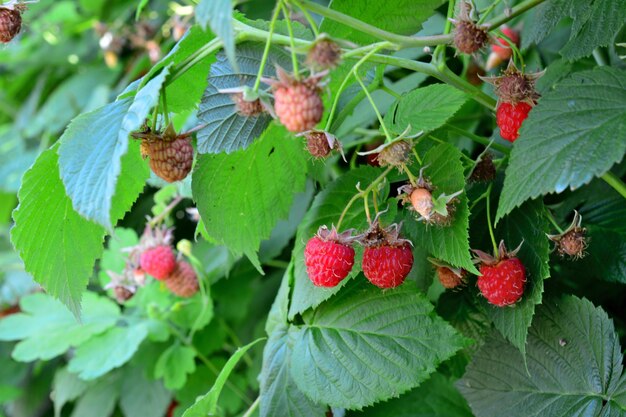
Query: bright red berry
510, 117
10, 24
183, 281
328, 257
387, 266
158, 261
297, 104
503, 284
503, 277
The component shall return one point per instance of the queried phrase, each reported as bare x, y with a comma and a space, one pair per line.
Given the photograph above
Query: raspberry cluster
155, 256
387, 259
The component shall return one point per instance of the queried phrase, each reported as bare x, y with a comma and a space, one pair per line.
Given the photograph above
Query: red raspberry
297, 104
10, 24
503, 278
328, 257
158, 261
387, 266
183, 281
387, 259
501, 48
170, 160
503, 284
509, 118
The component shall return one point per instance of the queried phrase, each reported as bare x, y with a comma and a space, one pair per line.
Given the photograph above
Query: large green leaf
279, 394
573, 367
58, 246
399, 16
47, 329
241, 196
366, 345
174, 364
218, 15
207, 404
436, 397
107, 351
226, 130
449, 243
527, 224
425, 109
326, 210
575, 133
91, 151
595, 24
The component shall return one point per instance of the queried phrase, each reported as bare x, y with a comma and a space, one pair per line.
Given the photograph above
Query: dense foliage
165, 166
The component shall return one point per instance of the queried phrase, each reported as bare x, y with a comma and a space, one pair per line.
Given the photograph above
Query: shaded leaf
573, 367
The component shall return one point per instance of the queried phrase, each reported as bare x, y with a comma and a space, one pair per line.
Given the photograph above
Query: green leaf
226, 130
47, 329
398, 16
279, 312
573, 367
575, 133
142, 397
58, 246
425, 109
218, 14
65, 388
183, 94
207, 404
595, 24
366, 345
326, 210
174, 365
107, 351
527, 224
279, 394
606, 255
9, 393
91, 151
100, 399
450, 243
241, 196
435, 397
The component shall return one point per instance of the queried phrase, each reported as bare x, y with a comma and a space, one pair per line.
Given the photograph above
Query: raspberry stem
552, 220
266, 51
489, 225
371, 100
399, 40
294, 58
487, 12
344, 83
362, 193
308, 18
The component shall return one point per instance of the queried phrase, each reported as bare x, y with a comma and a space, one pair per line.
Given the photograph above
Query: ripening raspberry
503, 277
329, 257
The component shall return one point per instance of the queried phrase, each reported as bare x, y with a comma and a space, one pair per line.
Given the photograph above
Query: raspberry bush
310, 208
